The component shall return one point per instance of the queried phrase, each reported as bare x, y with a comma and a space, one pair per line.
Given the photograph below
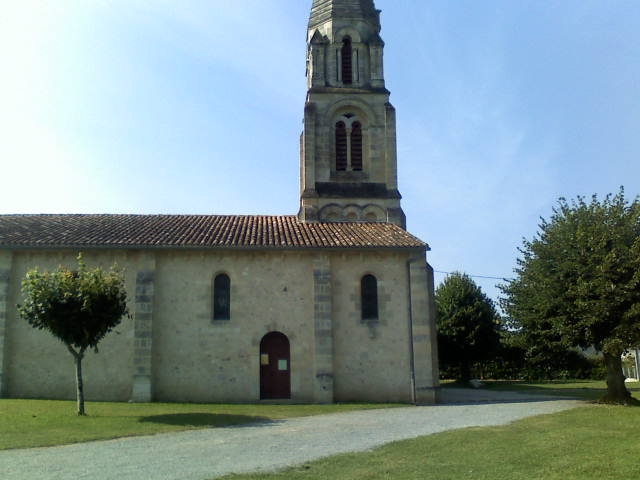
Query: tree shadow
561, 389
205, 420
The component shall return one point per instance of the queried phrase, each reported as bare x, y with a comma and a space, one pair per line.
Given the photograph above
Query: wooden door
275, 366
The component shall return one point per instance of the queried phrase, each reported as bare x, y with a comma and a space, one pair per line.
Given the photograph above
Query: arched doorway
275, 366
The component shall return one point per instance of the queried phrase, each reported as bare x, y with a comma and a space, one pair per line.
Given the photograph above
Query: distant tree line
475, 341
572, 310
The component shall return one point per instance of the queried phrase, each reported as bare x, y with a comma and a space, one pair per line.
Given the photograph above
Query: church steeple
324, 10
352, 27
348, 147
321, 8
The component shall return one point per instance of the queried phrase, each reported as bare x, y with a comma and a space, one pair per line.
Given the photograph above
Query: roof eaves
50, 247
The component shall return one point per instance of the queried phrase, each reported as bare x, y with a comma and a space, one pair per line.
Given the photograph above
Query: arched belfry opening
342, 147
356, 146
346, 54
348, 144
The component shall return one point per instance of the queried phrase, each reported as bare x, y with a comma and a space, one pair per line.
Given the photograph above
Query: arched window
221, 297
341, 146
356, 146
346, 53
349, 141
369, 297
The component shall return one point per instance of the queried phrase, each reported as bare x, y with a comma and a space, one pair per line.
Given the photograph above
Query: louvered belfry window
356, 146
349, 144
347, 61
341, 146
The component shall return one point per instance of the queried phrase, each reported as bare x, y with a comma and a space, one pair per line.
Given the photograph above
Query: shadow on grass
576, 389
499, 390
205, 420
585, 389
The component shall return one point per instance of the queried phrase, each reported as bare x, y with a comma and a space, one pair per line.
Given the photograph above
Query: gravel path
206, 454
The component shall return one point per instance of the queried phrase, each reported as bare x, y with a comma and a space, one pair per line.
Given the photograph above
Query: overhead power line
488, 277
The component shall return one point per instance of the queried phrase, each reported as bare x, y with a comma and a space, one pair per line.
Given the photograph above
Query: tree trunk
616, 389
465, 372
77, 356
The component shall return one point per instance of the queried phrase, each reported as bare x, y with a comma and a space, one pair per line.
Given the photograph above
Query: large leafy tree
578, 283
468, 325
78, 307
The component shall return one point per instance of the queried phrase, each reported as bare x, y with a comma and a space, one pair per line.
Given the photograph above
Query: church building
334, 304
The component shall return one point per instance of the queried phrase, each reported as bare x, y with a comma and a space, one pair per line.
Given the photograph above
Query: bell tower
348, 146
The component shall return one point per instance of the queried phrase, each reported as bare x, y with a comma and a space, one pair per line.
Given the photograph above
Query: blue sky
157, 106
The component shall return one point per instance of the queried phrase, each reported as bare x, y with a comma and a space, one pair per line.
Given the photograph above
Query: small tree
468, 324
578, 283
78, 307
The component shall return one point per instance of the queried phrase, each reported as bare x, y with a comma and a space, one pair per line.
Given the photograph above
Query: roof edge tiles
196, 231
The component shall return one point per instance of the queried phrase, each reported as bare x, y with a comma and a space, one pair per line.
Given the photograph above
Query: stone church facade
333, 304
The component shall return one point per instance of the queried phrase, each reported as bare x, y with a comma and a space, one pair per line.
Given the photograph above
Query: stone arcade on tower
334, 304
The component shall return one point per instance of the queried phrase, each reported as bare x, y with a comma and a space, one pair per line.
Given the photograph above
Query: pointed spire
325, 10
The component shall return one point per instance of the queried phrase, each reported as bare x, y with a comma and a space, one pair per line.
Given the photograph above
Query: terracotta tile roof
195, 231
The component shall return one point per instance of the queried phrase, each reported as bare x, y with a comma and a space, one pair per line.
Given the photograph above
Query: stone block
141, 389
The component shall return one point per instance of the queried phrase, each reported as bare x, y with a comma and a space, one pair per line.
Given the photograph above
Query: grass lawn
36, 423
594, 442
590, 442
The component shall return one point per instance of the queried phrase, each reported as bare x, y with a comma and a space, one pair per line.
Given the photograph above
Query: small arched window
341, 146
356, 146
369, 297
222, 297
346, 53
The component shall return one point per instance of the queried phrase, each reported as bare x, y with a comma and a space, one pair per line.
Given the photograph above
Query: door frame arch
275, 366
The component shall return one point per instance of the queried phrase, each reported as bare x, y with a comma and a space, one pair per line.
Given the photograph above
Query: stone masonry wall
5, 273
143, 331
173, 349
323, 330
